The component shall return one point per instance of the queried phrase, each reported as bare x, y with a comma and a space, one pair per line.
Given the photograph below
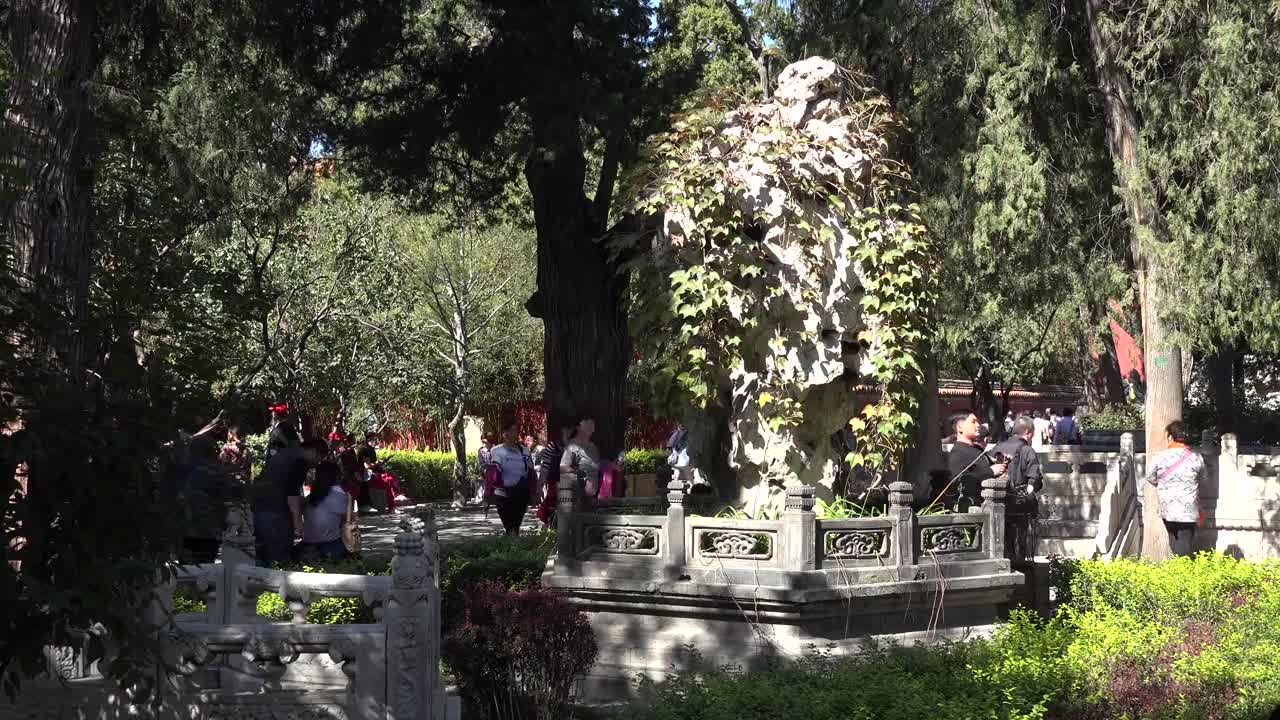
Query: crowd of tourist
307, 493
519, 474
304, 498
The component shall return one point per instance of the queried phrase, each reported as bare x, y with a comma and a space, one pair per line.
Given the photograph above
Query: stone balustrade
739, 590
796, 550
229, 662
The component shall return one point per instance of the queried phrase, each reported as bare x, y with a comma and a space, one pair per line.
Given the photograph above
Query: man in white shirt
1040, 435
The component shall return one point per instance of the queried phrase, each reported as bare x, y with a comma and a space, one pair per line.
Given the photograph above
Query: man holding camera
1025, 478
968, 462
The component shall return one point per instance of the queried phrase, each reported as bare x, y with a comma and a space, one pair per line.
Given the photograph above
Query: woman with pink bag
1176, 473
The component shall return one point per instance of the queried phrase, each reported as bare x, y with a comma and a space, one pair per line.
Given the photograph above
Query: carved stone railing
679, 553
229, 662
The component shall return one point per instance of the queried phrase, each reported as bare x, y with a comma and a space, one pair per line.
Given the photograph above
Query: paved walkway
378, 532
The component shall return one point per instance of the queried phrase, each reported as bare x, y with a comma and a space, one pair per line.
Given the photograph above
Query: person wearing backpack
1176, 471
514, 478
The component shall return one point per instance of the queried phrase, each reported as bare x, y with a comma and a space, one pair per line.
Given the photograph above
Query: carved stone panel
951, 539
612, 539
856, 544
736, 544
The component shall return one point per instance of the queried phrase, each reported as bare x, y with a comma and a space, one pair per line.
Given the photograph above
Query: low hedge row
427, 475
1191, 638
424, 475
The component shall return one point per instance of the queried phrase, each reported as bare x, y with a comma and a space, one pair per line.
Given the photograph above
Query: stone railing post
799, 531
412, 623
993, 497
675, 544
1129, 466
1228, 461
567, 519
231, 606
903, 535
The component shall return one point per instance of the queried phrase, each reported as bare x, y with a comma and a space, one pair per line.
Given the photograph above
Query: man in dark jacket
1025, 479
968, 462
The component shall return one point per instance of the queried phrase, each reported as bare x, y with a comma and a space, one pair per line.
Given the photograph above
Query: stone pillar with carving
994, 491
799, 531
230, 605
412, 620
902, 537
566, 520
673, 567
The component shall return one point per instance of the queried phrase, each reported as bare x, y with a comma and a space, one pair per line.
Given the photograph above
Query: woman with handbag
515, 484
326, 512
1176, 473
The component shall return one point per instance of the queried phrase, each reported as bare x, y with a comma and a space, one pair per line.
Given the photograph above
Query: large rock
807, 341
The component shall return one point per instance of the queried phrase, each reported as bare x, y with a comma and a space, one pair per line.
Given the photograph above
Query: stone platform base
654, 636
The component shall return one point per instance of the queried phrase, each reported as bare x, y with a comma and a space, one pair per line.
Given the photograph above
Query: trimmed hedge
424, 475
645, 462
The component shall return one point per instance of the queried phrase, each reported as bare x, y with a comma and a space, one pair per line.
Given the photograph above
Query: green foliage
645, 462
1115, 417
1209, 165
513, 562
423, 475
884, 683
325, 611
1254, 423
1189, 638
843, 508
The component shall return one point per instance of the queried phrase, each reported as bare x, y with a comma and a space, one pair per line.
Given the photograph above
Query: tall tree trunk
990, 408
49, 124
46, 206
457, 432
1163, 359
925, 453
1222, 369
581, 292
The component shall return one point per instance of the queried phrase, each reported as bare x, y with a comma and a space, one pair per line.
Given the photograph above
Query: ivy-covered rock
792, 272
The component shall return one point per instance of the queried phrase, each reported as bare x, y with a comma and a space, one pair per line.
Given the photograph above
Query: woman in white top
326, 510
582, 458
516, 467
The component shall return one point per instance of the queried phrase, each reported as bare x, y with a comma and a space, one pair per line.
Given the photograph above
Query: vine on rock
789, 269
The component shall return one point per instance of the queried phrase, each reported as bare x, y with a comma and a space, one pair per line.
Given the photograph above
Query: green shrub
519, 653
513, 562
1191, 638
424, 475
325, 611
1115, 417
884, 683
645, 462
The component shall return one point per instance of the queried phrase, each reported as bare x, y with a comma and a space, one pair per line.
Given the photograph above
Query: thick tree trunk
49, 124
1222, 370
581, 293
1163, 359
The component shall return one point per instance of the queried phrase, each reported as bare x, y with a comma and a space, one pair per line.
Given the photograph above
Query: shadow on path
378, 532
